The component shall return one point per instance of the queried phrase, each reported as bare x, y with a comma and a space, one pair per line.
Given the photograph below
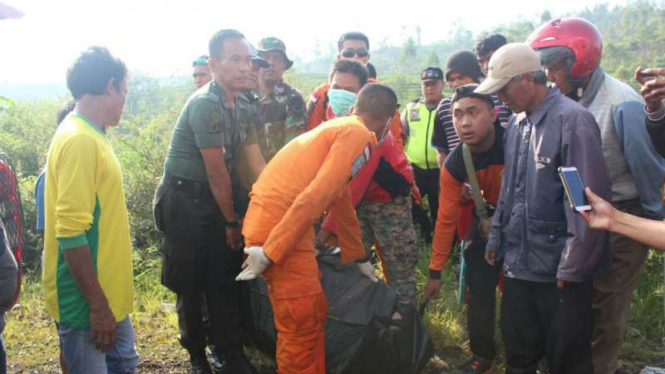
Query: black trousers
199, 267
427, 182
538, 321
481, 280
223, 307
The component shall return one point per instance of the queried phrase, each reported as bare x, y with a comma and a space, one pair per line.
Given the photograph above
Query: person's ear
111, 87
352, 109
494, 115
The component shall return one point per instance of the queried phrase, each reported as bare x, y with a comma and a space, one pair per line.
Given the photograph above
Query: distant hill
32, 92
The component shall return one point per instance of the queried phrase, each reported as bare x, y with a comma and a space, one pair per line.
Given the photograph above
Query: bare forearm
256, 161
79, 263
222, 191
649, 232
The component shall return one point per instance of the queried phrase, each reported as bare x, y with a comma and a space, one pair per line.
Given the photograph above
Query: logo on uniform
360, 161
415, 115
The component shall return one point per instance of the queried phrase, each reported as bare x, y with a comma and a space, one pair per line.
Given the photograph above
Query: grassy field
32, 341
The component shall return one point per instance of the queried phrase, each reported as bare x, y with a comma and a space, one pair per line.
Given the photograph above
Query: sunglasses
350, 52
200, 62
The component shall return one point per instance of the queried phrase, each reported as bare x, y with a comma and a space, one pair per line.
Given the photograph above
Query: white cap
508, 62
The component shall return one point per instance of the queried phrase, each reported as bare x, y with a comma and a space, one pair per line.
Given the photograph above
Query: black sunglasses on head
350, 52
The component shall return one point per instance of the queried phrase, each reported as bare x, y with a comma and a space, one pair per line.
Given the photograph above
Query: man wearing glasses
201, 72
350, 46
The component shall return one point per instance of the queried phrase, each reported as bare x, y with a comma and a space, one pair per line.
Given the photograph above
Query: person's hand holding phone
653, 87
602, 214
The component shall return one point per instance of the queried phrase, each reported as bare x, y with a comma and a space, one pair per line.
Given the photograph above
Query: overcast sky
162, 37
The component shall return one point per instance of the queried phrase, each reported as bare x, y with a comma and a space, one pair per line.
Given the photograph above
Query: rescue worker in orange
350, 46
308, 176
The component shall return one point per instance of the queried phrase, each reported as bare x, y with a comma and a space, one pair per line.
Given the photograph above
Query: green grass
32, 344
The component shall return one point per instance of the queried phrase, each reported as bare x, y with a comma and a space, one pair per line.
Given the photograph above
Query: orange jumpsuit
317, 112
306, 177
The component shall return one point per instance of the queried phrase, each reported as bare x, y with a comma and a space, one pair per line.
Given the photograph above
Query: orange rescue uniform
317, 112
308, 176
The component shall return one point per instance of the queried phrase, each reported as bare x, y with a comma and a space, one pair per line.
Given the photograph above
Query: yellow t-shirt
84, 205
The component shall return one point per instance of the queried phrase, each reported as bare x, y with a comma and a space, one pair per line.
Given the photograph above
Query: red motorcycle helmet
574, 38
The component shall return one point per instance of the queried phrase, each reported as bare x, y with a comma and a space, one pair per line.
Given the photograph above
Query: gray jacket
534, 229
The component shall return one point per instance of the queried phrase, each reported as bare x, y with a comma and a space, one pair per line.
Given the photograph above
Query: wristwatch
233, 224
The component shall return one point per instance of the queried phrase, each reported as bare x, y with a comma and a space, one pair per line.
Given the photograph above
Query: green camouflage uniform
282, 112
391, 227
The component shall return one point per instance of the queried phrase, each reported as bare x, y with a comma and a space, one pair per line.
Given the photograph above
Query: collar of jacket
597, 80
536, 117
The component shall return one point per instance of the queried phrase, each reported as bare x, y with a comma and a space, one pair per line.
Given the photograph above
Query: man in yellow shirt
87, 252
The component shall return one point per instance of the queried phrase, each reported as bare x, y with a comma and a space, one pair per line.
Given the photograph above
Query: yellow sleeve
327, 185
76, 191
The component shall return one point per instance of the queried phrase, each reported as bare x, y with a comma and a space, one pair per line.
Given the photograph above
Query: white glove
368, 270
255, 264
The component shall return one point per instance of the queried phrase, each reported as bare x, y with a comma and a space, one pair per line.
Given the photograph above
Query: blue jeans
3, 356
82, 356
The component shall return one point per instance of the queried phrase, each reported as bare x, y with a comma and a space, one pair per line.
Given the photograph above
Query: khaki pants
612, 295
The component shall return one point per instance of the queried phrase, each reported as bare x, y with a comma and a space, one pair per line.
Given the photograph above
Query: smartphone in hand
574, 187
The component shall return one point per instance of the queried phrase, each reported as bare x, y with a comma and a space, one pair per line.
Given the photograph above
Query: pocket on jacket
546, 242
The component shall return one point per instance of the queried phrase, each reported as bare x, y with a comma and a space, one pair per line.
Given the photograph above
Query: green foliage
633, 35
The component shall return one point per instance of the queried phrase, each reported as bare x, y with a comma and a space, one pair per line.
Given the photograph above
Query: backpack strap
481, 208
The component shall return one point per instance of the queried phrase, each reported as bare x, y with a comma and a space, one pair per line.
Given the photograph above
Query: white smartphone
572, 183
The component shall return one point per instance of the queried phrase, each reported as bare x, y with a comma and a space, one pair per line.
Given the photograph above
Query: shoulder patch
360, 161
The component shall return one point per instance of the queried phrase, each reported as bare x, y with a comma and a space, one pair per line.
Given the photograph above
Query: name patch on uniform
360, 161
542, 161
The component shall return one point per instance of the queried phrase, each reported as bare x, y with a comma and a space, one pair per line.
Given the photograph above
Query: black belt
187, 185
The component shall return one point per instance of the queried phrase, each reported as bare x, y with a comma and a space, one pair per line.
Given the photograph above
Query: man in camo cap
282, 107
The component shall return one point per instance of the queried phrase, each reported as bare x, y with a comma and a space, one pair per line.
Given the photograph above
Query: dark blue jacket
534, 228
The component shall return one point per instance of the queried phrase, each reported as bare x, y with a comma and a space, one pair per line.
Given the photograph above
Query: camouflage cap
273, 44
256, 58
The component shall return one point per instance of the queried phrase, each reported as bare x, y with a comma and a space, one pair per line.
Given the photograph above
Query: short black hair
216, 44
64, 111
377, 100
371, 70
353, 35
486, 43
92, 71
350, 66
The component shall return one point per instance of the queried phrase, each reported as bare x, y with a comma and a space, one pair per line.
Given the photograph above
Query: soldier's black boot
235, 362
215, 358
199, 362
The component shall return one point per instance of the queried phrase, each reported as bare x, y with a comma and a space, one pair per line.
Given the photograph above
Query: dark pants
224, 305
538, 321
3, 355
427, 182
612, 295
198, 266
481, 280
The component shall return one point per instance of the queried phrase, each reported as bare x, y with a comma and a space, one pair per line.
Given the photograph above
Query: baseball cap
431, 74
508, 62
273, 44
469, 90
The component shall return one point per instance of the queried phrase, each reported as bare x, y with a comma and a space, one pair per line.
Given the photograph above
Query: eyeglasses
200, 62
350, 52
